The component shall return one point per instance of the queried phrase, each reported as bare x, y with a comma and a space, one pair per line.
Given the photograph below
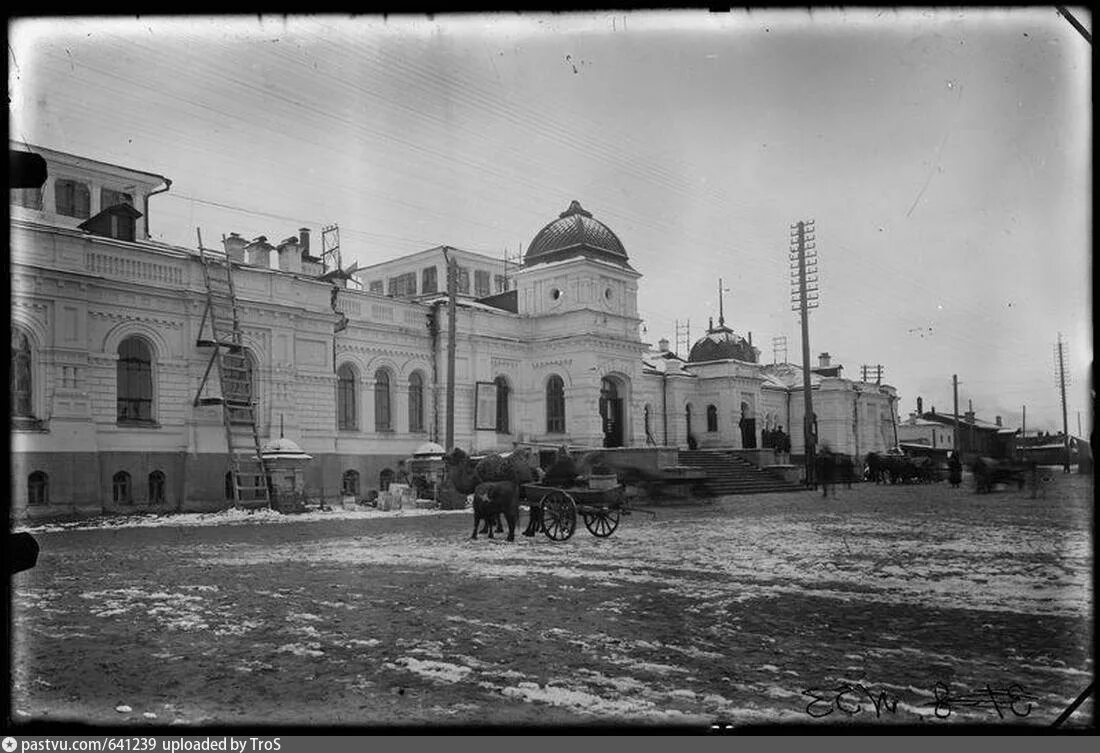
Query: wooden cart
601, 509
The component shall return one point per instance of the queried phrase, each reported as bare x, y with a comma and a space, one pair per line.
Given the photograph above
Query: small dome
281, 445
720, 343
283, 449
429, 448
575, 233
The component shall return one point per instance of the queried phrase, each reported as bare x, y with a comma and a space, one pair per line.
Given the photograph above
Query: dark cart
600, 509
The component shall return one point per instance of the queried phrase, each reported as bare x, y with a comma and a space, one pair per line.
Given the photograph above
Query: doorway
748, 428
611, 413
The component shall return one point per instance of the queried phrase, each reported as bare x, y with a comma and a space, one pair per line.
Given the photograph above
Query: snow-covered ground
607, 646
232, 516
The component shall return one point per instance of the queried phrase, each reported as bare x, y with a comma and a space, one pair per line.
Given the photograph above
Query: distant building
916, 430
976, 437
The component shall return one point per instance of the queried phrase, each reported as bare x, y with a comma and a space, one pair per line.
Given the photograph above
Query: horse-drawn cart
600, 508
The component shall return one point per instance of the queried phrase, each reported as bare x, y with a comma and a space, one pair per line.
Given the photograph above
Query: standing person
954, 470
783, 445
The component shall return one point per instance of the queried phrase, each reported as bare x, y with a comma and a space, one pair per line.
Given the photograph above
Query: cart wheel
559, 515
601, 524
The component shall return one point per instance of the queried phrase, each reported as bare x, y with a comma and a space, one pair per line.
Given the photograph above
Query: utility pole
330, 247
452, 310
686, 329
955, 416
802, 257
1062, 388
779, 345
876, 370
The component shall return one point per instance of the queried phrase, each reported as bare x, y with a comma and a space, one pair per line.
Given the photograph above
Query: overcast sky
945, 156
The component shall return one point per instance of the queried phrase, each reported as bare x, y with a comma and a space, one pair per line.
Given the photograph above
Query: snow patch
437, 671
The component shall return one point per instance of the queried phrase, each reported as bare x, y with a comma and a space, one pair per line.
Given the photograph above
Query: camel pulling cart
600, 503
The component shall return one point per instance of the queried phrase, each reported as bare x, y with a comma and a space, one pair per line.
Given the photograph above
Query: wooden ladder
249, 474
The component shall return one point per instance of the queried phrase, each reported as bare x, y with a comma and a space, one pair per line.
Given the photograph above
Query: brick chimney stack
234, 247
997, 421
303, 240
290, 255
920, 406
259, 252
823, 361
662, 345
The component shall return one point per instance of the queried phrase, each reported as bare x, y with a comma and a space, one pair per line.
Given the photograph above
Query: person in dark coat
562, 472
954, 470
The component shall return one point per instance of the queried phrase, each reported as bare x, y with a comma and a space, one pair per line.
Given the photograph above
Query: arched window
346, 414
712, 418
502, 404
416, 402
385, 478
156, 487
121, 488
555, 405
135, 382
22, 405
38, 488
350, 483
687, 415
383, 418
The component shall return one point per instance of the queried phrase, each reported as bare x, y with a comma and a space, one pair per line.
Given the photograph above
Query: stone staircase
729, 474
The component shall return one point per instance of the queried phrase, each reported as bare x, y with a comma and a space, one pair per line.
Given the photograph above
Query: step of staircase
728, 473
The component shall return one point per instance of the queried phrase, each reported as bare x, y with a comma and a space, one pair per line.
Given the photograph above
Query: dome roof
283, 448
720, 343
575, 233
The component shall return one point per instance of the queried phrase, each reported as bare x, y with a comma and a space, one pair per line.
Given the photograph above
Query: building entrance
611, 413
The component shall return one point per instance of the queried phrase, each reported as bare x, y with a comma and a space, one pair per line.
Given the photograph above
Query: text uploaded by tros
143, 744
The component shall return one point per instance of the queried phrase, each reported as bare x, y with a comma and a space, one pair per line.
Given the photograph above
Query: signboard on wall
485, 405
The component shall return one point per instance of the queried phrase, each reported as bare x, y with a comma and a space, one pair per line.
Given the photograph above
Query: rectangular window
73, 199
462, 281
402, 285
376, 286
501, 283
108, 198
428, 281
481, 283
31, 198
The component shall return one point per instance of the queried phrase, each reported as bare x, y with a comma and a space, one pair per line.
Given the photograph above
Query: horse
989, 472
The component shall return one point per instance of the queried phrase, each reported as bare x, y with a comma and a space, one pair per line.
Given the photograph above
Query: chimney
920, 406
303, 240
969, 416
290, 255
823, 361
997, 421
750, 339
259, 252
912, 418
662, 345
234, 247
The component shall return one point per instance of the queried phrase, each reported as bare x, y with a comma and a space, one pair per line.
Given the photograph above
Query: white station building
106, 364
